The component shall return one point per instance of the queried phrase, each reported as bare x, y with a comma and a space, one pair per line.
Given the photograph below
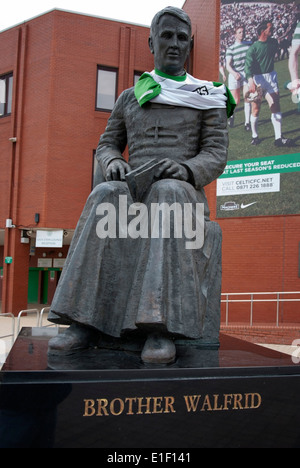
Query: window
106, 88
6, 84
136, 77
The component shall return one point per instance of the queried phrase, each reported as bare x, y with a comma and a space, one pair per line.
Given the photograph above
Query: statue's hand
172, 170
117, 170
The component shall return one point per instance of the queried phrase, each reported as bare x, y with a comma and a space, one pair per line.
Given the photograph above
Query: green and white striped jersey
296, 36
237, 54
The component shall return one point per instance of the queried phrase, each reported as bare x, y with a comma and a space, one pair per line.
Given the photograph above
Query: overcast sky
133, 11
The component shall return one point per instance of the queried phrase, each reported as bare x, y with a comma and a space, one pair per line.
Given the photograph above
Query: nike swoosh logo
246, 206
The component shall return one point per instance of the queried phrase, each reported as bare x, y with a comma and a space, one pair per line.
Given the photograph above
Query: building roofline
75, 13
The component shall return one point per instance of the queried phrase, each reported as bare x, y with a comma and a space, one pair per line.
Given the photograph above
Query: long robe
117, 284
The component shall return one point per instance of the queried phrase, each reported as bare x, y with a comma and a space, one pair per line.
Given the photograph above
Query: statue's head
170, 40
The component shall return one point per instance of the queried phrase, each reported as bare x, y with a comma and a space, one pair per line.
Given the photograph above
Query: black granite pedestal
238, 396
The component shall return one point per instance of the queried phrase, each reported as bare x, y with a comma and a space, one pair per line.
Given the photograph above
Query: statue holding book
121, 279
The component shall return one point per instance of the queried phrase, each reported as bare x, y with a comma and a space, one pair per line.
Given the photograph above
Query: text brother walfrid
168, 404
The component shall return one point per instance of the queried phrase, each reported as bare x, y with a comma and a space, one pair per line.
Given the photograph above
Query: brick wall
205, 18
9, 44
262, 251
58, 126
261, 255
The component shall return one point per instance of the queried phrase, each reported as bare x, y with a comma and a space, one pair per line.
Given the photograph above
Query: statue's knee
168, 187
107, 190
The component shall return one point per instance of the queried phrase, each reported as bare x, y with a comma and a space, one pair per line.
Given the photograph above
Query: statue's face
170, 45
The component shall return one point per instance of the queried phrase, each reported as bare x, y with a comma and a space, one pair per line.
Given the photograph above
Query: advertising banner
259, 50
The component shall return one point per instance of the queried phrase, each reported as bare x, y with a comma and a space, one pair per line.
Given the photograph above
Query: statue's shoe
76, 337
158, 349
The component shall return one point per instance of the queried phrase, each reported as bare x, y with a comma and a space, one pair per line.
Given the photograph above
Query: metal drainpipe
16, 129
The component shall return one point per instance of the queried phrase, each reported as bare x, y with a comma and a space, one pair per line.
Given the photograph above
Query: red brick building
53, 70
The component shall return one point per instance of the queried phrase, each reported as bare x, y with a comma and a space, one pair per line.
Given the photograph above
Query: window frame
8, 91
109, 69
136, 76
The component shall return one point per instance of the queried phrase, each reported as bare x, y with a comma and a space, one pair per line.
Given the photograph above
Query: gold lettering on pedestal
166, 404
89, 408
224, 402
129, 406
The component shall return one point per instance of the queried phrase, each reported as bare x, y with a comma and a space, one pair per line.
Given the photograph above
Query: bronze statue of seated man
164, 286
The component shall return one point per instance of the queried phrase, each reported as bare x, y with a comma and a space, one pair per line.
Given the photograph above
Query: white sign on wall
249, 184
44, 262
49, 238
59, 262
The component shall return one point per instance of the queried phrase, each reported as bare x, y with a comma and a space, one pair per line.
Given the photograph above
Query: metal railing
226, 298
16, 329
253, 298
43, 311
12, 334
28, 312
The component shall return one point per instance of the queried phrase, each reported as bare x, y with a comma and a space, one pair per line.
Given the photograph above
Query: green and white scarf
185, 91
